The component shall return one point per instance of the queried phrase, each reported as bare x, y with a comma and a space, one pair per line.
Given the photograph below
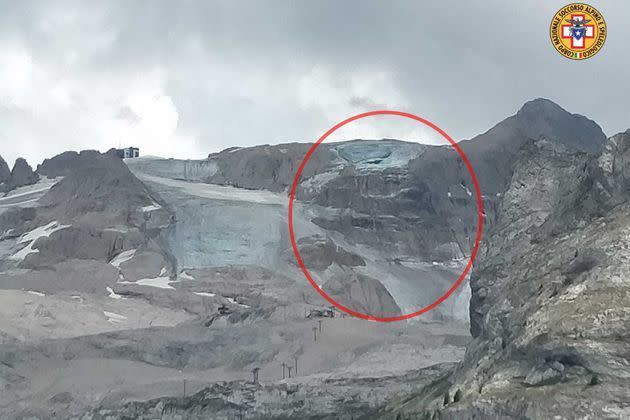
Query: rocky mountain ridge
550, 296
21, 175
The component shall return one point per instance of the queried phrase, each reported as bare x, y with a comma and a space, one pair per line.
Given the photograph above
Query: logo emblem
578, 31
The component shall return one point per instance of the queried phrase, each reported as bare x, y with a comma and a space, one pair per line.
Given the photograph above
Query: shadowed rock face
69, 162
362, 294
549, 294
22, 174
543, 117
96, 184
319, 253
5, 173
98, 210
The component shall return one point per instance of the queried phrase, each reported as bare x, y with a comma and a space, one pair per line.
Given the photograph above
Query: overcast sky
184, 78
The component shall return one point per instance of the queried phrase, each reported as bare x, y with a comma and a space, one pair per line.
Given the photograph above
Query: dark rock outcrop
22, 174
5, 172
98, 210
549, 295
330, 398
362, 294
94, 183
69, 162
319, 253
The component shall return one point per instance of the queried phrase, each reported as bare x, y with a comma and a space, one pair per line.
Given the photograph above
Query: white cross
588, 33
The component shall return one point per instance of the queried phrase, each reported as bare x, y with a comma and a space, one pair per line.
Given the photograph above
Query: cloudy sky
185, 78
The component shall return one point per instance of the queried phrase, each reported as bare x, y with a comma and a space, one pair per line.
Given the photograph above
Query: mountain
124, 282
5, 172
98, 210
549, 296
412, 204
21, 175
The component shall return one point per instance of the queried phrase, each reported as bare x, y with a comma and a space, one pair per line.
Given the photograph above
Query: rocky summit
165, 288
21, 175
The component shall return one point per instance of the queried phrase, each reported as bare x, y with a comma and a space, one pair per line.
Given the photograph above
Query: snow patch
153, 207
23, 193
206, 294
185, 276
43, 185
159, 282
20, 203
220, 192
234, 302
122, 257
33, 292
113, 294
32, 236
316, 182
466, 189
114, 318
116, 229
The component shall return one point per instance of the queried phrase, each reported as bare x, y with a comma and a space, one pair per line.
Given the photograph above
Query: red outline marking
473, 254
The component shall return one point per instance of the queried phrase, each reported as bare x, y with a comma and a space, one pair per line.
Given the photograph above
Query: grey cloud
127, 114
232, 69
364, 103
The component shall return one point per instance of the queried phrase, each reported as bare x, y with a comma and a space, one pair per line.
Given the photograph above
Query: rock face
228, 400
5, 173
362, 294
67, 162
321, 253
22, 174
550, 295
97, 211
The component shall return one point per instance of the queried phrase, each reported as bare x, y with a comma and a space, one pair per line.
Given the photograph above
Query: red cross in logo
589, 32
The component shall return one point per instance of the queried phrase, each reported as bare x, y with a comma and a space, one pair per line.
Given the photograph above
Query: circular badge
578, 31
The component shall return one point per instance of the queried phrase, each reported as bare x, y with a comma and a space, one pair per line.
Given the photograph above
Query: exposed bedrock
5, 172
97, 211
319, 253
21, 175
549, 296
